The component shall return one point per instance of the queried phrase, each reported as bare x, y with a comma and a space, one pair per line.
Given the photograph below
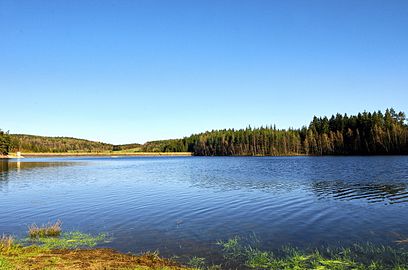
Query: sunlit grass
197, 262
51, 236
71, 251
359, 256
41, 258
5, 264
68, 240
48, 230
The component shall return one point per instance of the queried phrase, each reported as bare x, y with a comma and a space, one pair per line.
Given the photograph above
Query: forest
366, 133
42, 144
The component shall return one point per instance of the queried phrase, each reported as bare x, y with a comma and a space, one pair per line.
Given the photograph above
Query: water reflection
388, 193
6, 165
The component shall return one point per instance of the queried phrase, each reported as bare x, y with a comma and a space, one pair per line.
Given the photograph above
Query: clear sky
130, 71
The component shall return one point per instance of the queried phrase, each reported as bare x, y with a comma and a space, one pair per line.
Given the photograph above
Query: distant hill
43, 144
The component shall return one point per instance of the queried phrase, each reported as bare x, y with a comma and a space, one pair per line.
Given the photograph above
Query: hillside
43, 144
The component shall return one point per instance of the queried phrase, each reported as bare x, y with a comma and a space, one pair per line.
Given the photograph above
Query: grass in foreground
75, 250
67, 240
358, 256
6, 242
36, 258
48, 248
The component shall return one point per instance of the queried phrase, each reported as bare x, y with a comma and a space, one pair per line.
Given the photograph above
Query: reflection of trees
371, 192
14, 165
7, 166
4, 166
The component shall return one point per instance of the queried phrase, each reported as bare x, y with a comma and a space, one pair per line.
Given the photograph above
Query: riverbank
39, 258
46, 247
237, 254
107, 154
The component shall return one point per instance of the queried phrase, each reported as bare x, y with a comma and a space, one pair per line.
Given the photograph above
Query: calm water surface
183, 205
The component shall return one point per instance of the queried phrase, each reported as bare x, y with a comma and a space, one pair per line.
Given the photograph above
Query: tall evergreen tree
5, 143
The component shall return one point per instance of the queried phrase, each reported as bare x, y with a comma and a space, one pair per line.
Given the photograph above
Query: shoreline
47, 247
9, 156
164, 154
107, 154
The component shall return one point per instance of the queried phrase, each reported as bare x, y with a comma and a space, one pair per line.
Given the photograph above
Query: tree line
42, 144
362, 134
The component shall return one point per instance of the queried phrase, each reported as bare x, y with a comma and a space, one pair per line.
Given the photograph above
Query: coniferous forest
367, 133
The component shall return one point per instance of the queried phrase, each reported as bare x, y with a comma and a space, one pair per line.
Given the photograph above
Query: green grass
68, 240
71, 251
5, 264
197, 262
359, 256
238, 252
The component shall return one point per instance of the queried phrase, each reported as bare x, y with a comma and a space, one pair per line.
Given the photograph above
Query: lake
184, 205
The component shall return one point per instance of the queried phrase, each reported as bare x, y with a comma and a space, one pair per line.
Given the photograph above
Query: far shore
106, 154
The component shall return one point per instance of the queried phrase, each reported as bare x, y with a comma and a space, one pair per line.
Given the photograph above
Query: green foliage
367, 256
177, 145
232, 248
69, 240
197, 262
5, 264
362, 134
133, 147
365, 133
5, 143
41, 144
258, 258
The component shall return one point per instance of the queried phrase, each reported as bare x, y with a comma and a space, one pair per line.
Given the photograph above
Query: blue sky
132, 71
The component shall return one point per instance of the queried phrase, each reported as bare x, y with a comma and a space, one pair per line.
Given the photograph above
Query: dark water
183, 205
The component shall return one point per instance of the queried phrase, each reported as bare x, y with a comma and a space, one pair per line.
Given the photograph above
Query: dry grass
38, 258
6, 242
48, 230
